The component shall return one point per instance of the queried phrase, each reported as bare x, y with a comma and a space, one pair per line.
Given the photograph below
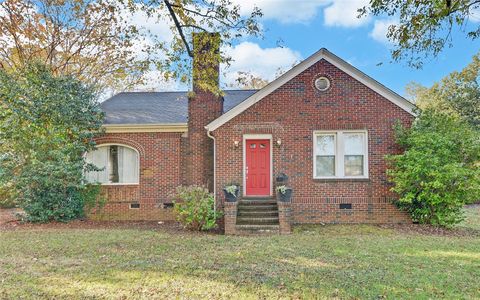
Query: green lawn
344, 262
472, 214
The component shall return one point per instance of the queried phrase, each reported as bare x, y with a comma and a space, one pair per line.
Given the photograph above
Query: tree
457, 94
438, 173
98, 42
82, 38
424, 27
249, 81
47, 123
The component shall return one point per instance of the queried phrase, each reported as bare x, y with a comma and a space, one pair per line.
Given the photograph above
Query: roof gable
304, 65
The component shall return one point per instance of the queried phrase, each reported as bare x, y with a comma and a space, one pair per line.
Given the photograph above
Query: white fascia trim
126, 128
310, 61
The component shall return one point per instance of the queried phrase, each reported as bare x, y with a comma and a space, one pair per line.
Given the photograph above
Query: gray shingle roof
158, 107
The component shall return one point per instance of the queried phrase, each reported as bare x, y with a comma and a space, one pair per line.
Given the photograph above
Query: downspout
214, 169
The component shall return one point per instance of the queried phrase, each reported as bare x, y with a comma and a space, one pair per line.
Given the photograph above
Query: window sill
119, 184
340, 179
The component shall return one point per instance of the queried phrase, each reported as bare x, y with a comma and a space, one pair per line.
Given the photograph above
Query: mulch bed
8, 215
9, 222
170, 227
89, 224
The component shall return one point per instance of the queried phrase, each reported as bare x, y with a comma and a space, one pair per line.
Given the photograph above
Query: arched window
119, 164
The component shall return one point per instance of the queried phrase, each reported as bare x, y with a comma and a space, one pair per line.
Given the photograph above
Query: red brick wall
291, 114
160, 174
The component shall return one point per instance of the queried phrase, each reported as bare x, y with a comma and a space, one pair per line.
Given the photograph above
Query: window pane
325, 166
127, 165
354, 143
353, 165
98, 158
325, 145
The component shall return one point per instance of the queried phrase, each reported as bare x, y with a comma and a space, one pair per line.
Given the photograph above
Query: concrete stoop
256, 216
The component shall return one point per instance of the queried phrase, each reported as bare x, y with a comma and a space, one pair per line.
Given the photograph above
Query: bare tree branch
179, 27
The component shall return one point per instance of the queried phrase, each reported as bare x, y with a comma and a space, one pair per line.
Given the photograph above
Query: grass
472, 217
344, 262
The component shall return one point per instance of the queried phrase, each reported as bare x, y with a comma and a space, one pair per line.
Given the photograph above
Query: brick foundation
364, 210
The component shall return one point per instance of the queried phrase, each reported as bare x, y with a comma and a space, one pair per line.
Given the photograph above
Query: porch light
236, 143
279, 142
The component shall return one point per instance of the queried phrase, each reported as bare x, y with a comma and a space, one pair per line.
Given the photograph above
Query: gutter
160, 127
214, 169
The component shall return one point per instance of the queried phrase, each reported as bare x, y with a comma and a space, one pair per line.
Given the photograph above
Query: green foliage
47, 123
196, 208
457, 94
232, 189
282, 189
7, 199
439, 171
424, 28
102, 43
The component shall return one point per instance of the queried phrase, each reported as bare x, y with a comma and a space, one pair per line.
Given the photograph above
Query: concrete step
257, 220
263, 207
257, 201
258, 229
258, 213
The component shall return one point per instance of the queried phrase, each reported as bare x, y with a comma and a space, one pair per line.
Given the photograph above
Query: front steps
257, 216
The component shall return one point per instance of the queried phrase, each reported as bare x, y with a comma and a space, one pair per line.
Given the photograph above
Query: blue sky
305, 26
360, 42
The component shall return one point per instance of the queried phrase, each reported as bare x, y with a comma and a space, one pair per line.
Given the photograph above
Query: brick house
323, 129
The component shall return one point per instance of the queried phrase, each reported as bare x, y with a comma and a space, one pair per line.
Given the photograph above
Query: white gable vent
322, 84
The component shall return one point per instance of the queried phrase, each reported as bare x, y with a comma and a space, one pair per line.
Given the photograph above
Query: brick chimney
203, 107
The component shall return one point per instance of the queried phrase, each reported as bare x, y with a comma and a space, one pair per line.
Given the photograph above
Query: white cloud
344, 13
155, 81
380, 30
153, 29
475, 14
284, 11
262, 62
341, 13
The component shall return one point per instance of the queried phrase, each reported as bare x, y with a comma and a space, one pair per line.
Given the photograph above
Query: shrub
61, 205
196, 208
47, 123
7, 199
438, 173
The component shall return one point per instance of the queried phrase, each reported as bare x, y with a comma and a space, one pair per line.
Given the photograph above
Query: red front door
257, 168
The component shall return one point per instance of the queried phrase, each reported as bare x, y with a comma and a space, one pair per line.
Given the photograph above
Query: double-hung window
340, 154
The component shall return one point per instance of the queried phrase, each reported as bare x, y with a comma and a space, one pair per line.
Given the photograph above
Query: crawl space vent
134, 205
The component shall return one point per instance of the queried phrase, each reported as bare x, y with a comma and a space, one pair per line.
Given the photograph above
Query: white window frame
138, 163
340, 154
